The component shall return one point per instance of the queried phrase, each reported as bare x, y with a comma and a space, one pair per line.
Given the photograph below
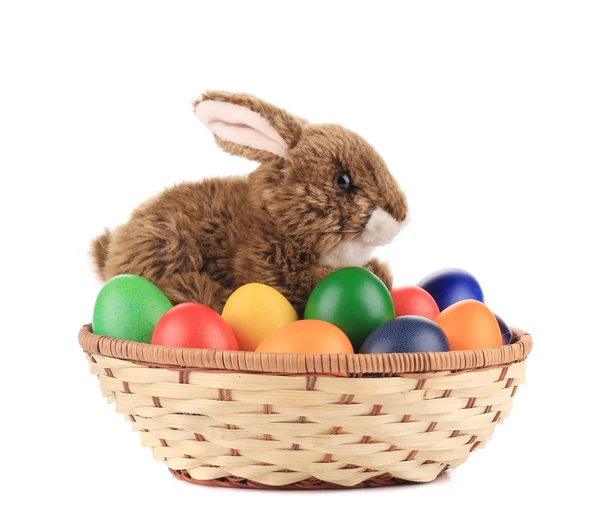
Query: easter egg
406, 334
414, 301
504, 330
353, 299
254, 311
194, 326
470, 325
307, 337
128, 307
449, 286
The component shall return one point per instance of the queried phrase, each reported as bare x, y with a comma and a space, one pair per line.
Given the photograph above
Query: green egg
353, 299
128, 307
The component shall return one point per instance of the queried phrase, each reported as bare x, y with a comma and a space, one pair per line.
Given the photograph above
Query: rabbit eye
344, 181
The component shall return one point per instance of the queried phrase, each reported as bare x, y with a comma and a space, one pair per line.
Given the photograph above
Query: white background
488, 113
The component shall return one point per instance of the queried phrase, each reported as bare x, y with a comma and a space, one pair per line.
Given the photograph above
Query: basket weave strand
352, 365
232, 427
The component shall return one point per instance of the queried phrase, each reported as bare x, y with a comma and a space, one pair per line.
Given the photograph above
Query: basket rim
351, 365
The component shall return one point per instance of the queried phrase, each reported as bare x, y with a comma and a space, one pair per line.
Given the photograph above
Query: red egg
194, 326
414, 301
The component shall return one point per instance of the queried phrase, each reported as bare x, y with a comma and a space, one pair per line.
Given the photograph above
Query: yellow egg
254, 311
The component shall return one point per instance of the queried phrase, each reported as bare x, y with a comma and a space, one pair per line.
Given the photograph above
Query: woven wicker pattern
352, 365
249, 429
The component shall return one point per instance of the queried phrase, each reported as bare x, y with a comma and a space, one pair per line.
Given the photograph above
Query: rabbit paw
382, 270
193, 286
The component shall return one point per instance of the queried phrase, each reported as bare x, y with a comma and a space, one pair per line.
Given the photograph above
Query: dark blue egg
504, 330
406, 334
449, 286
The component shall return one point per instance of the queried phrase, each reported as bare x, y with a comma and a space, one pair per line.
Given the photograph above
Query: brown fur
199, 241
100, 252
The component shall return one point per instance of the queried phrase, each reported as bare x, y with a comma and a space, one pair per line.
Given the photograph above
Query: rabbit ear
246, 126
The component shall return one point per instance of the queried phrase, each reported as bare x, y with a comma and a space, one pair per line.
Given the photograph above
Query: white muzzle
380, 230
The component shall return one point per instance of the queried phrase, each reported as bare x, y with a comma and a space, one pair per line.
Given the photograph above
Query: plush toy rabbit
321, 199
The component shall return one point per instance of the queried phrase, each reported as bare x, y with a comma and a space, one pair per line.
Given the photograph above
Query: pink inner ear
238, 124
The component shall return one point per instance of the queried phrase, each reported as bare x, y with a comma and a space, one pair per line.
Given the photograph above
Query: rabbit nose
381, 228
398, 210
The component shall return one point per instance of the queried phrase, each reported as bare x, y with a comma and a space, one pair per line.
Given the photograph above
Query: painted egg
406, 334
128, 307
414, 301
194, 326
307, 337
470, 325
449, 286
254, 311
504, 330
353, 299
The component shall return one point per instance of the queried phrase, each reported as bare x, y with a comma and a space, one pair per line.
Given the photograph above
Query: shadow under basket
242, 419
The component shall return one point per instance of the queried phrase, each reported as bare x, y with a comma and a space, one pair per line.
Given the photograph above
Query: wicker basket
242, 419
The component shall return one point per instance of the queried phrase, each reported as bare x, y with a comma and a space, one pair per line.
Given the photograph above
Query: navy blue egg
406, 334
504, 330
449, 286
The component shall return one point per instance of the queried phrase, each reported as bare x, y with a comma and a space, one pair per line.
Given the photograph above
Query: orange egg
307, 337
470, 325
